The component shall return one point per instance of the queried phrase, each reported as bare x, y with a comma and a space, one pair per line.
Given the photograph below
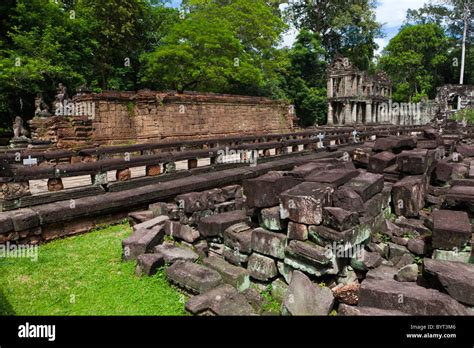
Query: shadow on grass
5, 307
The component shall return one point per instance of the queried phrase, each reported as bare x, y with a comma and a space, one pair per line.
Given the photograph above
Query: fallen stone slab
334, 177
215, 225
347, 199
238, 277
184, 232
172, 253
382, 272
339, 219
391, 174
380, 161
366, 185
417, 246
269, 243
460, 197
138, 217
339, 243
465, 150
278, 289
261, 267
443, 171
312, 167
158, 221
239, 237
263, 192
365, 260
408, 273
147, 264
373, 206
192, 202
346, 310
297, 231
193, 277
141, 242
415, 162
407, 297
427, 144
397, 251
269, 218
202, 248
451, 229
234, 257
232, 192
394, 143
408, 195
456, 278
320, 165
311, 258
223, 300
304, 203
305, 298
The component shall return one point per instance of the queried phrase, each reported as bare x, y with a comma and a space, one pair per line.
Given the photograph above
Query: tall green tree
306, 84
415, 60
217, 46
345, 27
450, 15
44, 43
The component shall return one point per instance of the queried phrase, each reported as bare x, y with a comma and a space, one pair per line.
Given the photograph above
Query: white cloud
392, 13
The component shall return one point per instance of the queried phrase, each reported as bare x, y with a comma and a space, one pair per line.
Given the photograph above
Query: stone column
347, 113
368, 113
354, 112
330, 87
330, 114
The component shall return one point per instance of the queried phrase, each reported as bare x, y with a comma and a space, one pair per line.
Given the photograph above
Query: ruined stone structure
354, 96
144, 116
452, 98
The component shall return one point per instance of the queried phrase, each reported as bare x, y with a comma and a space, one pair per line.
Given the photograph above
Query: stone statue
41, 108
61, 98
19, 132
83, 89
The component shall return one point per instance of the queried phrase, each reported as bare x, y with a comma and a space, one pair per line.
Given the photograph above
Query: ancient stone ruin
347, 220
356, 97
386, 231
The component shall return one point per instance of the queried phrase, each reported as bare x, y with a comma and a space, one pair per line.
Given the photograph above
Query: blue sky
391, 13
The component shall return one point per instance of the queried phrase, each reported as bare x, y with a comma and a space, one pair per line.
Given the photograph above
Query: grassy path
84, 275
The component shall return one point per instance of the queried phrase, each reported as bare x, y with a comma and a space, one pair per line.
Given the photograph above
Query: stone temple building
354, 96
452, 98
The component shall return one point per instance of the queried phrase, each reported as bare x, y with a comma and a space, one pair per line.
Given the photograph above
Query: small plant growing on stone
383, 237
418, 260
168, 238
408, 235
333, 313
322, 284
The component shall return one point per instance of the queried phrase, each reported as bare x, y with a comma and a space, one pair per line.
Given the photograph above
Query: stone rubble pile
386, 231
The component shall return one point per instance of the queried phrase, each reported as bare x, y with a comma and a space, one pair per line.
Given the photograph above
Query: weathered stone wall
144, 116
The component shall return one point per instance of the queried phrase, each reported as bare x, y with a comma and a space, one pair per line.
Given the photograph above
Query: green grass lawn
84, 275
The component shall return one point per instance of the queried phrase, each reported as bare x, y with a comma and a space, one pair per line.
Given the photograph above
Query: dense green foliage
346, 27
415, 59
84, 275
427, 51
224, 46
